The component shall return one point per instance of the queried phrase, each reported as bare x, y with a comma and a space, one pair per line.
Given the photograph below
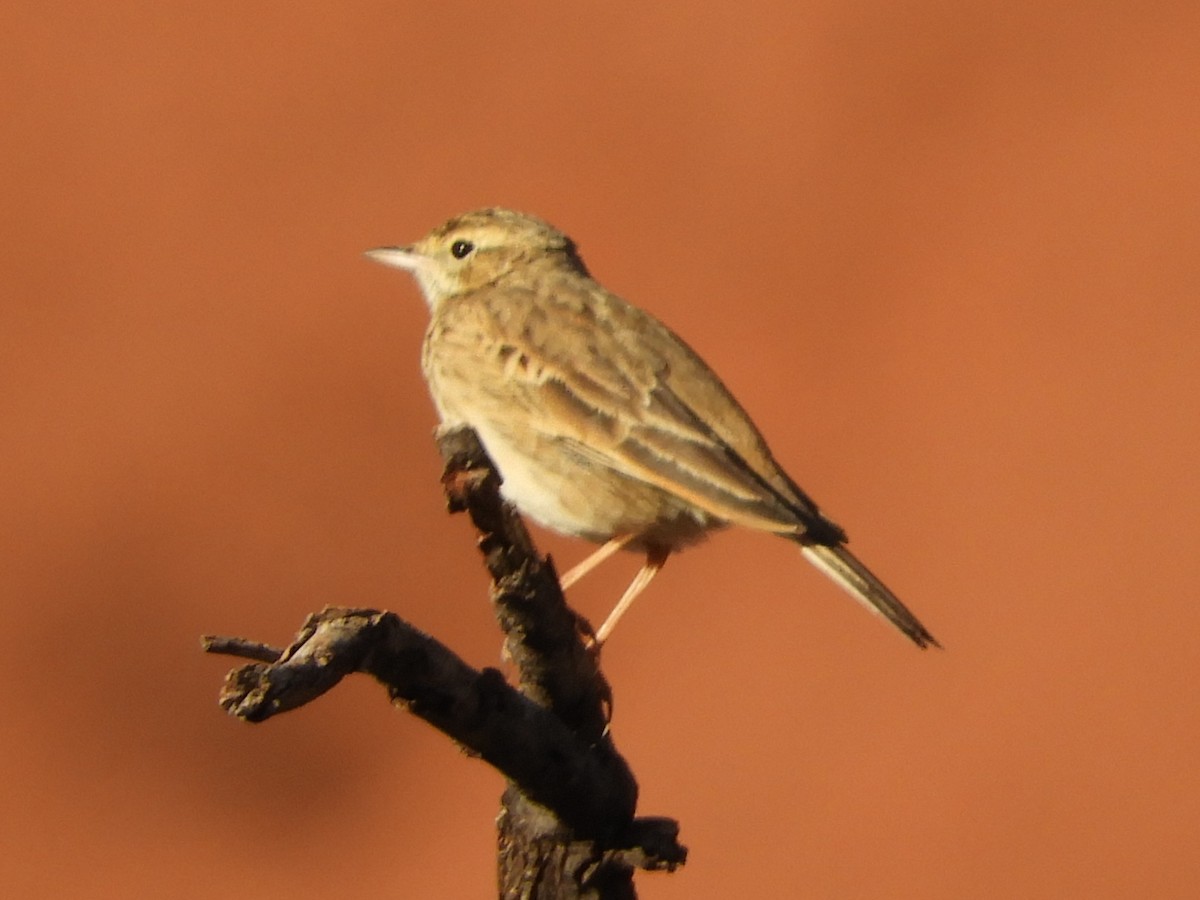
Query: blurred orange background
946, 255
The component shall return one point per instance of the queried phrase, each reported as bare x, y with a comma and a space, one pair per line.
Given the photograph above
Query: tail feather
840, 565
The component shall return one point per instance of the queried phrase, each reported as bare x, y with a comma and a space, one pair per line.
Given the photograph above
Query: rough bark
567, 827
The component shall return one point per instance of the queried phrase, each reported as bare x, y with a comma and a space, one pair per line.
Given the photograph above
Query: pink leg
598, 556
655, 560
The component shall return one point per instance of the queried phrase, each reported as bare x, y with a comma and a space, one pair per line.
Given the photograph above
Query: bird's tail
840, 564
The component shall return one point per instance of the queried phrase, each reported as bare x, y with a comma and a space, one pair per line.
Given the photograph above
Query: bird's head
479, 249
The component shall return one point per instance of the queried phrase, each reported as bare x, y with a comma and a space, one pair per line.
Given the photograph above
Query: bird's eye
459, 249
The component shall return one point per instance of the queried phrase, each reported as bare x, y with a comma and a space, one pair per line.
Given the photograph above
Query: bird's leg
598, 556
655, 559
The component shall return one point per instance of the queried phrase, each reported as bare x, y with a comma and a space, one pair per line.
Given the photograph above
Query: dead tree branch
567, 826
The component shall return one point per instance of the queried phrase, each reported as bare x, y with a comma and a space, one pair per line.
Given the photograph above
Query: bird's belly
575, 496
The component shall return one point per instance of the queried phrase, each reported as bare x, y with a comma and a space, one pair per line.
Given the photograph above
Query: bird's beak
399, 257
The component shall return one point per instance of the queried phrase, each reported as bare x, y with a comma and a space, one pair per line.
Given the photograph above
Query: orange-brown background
946, 254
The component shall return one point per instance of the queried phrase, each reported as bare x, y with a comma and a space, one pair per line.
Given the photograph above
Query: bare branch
542, 634
567, 827
242, 647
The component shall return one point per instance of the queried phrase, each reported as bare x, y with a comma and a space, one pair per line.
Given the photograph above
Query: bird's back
553, 363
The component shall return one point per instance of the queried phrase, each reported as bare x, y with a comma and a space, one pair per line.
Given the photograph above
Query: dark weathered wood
542, 634
567, 827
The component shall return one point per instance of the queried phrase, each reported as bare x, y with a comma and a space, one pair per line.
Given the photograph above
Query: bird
602, 422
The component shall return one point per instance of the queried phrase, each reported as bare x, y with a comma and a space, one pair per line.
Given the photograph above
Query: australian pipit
603, 423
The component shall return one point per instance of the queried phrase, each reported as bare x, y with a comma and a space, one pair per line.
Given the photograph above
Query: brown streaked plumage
603, 423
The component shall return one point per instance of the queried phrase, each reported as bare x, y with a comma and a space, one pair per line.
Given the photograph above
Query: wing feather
591, 371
